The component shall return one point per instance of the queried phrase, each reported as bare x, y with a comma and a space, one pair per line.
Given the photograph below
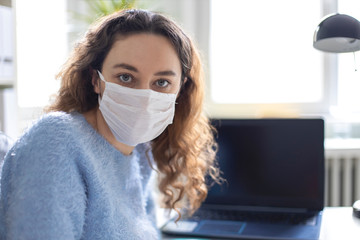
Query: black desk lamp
339, 33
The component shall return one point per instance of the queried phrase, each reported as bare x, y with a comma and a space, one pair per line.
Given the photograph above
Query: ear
182, 84
95, 81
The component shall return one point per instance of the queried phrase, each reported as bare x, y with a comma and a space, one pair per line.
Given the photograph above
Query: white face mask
136, 115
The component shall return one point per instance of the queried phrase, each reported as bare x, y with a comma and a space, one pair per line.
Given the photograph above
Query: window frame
320, 108
195, 18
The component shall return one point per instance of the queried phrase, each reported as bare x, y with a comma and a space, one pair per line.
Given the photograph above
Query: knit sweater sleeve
43, 196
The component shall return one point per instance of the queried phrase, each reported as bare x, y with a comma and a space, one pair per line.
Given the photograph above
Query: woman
130, 101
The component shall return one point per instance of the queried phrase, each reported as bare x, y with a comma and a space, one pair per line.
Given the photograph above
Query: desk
338, 223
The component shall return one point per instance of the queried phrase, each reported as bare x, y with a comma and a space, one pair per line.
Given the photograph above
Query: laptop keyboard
268, 217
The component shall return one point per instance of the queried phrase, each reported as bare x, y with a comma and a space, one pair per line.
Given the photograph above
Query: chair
5, 145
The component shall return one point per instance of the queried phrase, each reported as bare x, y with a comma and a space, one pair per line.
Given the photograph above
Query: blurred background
258, 57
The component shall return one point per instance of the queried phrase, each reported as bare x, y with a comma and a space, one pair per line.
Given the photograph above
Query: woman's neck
97, 121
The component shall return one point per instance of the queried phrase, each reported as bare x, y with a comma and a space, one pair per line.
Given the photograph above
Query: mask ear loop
101, 77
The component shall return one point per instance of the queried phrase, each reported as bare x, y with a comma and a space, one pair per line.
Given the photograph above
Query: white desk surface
338, 223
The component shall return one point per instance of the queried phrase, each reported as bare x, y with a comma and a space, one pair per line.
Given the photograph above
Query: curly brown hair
185, 152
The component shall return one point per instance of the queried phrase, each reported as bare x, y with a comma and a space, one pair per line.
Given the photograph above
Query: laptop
274, 189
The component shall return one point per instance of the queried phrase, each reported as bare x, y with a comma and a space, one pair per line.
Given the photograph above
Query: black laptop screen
270, 162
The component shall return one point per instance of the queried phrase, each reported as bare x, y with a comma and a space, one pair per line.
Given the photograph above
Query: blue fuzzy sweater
62, 180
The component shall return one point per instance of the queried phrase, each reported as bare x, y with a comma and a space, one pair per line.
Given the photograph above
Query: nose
143, 84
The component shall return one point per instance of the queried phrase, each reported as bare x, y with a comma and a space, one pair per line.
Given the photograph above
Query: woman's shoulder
55, 122
52, 128
48, 142
58, 119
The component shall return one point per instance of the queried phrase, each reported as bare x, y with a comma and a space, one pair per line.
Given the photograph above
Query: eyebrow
134, 69
165, 73
126, 66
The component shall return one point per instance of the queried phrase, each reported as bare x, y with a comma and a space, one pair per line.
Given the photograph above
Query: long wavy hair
185, 152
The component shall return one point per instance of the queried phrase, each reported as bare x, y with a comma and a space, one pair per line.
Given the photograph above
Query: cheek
177, 86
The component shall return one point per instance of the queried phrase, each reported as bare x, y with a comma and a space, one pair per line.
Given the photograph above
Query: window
348, 72
41, 49
261, 54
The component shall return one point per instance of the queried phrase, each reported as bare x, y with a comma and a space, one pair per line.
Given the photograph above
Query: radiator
342, 177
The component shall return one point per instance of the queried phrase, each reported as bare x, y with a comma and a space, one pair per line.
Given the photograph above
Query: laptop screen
270, 163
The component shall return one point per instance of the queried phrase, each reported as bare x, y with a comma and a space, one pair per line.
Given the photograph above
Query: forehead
144, 50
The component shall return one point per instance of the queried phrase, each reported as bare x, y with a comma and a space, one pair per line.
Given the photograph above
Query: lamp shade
337, 33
